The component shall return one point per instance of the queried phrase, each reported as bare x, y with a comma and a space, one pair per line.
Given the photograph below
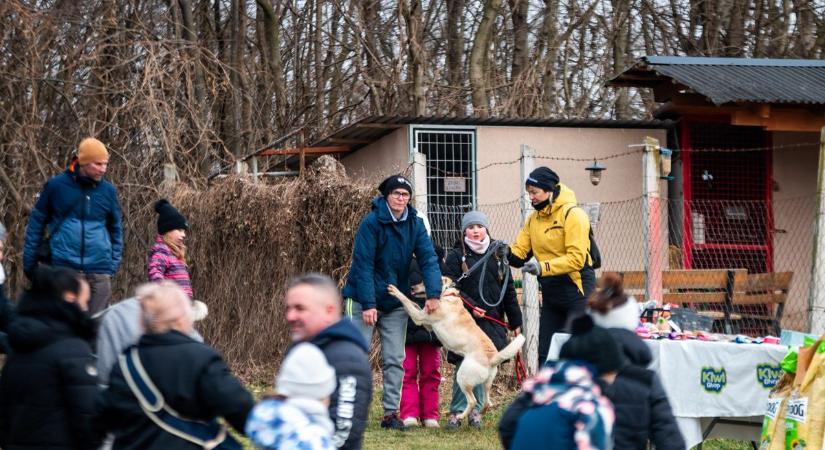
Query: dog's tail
508, 352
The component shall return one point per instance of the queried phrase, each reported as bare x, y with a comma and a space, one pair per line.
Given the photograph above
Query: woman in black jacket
191, 377
489, 290
49, 382
643, 412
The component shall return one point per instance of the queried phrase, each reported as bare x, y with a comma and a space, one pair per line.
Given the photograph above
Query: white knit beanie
305, 373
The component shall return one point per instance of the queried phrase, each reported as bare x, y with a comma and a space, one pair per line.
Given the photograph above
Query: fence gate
451, 182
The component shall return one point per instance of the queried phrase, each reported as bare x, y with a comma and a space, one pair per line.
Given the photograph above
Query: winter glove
531, 267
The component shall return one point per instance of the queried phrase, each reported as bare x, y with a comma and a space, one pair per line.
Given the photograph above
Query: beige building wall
619, 232
380, 159
795, 163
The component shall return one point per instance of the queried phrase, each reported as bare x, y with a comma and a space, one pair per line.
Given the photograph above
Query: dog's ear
446, 283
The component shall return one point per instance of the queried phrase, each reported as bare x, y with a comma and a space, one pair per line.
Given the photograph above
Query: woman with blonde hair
167, 391
167, 258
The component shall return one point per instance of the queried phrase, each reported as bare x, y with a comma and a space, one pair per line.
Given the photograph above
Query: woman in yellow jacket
558, 235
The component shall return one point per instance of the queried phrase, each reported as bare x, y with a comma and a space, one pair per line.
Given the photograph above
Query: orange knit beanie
91, 150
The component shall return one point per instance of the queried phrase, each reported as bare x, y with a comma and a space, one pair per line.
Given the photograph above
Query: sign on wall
455, 184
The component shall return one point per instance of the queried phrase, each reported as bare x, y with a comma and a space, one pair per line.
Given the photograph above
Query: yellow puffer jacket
561, 245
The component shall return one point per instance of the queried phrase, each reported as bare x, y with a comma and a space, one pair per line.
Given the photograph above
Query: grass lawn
483, 438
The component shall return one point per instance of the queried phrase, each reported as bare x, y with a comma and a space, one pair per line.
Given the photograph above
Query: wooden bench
737, 301
759, 301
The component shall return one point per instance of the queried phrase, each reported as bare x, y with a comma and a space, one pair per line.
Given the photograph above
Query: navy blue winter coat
90, 237
346, 351
382, 255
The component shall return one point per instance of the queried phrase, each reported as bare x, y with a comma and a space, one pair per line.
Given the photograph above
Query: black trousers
561, 303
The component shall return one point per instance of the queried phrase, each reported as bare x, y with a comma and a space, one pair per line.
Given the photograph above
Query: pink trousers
419, 394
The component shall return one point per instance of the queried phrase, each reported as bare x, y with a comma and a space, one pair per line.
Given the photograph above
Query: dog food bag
773, 425
805, 408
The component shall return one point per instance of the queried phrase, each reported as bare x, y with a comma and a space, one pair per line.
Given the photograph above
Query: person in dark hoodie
489, 290
313, 312
385, 243
49, 382
643, 413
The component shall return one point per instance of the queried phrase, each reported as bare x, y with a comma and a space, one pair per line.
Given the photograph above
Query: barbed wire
637, 150
749, 149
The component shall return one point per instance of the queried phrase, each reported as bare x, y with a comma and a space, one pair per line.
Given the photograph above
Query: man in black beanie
386, 241
558, 235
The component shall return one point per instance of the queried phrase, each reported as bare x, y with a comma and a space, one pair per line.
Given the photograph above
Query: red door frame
687, 190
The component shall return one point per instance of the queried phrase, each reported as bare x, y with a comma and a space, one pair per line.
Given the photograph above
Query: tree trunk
411, 12
455, 48
806, 28
519, 10
369, 22
478, 58
621, 38
272, 29
735, 38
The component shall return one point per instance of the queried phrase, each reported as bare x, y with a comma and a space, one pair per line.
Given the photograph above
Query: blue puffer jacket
382, 255
90, 234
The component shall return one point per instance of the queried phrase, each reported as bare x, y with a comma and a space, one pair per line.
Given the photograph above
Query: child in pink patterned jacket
167, 258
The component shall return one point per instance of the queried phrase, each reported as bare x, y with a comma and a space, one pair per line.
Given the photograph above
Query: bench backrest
762, 288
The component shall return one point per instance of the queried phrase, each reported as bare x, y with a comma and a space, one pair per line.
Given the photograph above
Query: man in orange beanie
76, 223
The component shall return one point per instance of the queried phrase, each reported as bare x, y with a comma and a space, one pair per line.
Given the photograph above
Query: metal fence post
816, 293
529, 283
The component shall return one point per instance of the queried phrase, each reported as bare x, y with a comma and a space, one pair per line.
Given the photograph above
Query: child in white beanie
297, 416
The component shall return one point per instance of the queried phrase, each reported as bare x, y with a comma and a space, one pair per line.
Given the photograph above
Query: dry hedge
247, 240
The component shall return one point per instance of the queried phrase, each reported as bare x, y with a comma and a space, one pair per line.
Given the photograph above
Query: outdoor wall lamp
595, 170
665, 161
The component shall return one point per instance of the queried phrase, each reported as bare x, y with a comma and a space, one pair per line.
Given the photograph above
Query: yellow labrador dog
459, 333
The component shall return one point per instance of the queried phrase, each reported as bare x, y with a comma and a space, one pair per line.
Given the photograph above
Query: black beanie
594, 345
169, 218
394, 182
543, 178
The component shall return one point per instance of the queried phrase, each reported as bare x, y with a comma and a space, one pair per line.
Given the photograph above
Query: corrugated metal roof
726, 80
370, 129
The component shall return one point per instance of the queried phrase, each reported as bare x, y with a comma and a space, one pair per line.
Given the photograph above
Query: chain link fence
746, 264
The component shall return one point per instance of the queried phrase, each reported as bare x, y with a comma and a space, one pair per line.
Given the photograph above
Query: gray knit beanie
475, 218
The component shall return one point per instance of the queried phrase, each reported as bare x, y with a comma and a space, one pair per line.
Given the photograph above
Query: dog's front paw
393, 290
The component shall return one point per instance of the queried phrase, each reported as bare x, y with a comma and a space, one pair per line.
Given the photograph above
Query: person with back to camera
167, 391
422, 361
49, 381
558, 235
490, 291
643, 413
296, 417
563, 406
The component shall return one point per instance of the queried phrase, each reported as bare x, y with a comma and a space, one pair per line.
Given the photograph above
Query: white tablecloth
706, 380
